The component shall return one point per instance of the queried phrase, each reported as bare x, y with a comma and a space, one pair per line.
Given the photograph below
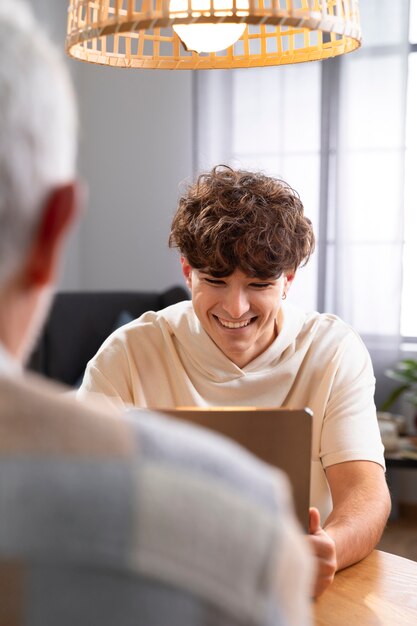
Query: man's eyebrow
214, 278
211, 274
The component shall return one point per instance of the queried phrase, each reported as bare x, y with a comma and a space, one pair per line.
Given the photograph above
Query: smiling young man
242, 236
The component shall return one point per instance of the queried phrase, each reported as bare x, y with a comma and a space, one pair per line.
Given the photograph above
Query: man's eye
214, 281
261, 285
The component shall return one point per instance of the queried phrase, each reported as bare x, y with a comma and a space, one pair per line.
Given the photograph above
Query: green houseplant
405, 372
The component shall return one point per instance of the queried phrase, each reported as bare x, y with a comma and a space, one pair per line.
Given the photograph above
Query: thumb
314, 520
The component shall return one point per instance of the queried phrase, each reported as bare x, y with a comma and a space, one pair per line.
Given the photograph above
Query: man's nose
236, 303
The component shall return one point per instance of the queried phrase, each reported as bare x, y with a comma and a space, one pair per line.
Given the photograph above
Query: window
343, 133
409, 291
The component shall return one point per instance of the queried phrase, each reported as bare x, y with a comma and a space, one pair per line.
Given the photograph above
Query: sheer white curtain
335, 131
409, 301
364, 277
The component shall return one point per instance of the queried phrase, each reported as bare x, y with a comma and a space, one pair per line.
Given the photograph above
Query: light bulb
208, 37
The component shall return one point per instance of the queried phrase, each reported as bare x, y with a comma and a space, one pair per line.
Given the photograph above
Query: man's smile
233, 325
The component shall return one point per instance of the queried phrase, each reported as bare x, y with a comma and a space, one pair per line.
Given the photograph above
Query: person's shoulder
153, 322
173, 314
154, 327
332, 331
198, 451
328, 322
40, 417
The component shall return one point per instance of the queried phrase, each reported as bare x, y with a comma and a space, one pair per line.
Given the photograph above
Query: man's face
238, 312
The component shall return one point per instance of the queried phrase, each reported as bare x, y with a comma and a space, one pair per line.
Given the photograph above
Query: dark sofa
79, 322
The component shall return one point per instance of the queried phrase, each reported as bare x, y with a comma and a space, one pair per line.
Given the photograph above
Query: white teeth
234, 324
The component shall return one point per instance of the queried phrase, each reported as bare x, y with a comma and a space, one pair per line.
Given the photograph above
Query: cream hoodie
165, 359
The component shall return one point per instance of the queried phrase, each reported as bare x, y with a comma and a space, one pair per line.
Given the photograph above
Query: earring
284, 295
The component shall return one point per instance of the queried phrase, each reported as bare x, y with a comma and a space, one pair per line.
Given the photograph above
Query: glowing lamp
204, 37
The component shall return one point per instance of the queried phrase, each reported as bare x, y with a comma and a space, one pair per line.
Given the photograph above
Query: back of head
233, 219
37, 129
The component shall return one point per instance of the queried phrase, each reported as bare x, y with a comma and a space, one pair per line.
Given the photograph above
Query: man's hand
324, 550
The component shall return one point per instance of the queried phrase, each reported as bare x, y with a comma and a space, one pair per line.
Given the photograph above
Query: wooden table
381, 590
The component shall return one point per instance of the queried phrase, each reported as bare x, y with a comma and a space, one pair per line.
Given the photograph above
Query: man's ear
289, 277
58, 215
186, 270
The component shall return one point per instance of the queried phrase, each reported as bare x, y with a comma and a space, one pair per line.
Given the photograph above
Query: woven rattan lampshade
138, 33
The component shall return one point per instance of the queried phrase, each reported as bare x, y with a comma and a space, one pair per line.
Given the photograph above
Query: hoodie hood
195, 347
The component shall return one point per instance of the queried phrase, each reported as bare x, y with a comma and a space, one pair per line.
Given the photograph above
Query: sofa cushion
79, 322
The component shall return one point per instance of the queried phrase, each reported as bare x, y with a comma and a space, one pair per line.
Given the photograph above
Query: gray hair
38, 123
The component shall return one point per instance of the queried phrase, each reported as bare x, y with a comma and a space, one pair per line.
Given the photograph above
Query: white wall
135, 149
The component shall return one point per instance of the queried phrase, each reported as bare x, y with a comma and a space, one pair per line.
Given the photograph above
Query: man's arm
361, 506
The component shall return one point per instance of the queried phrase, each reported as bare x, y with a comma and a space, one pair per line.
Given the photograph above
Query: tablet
279, 436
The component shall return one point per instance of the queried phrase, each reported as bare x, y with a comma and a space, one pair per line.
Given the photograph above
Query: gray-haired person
108, 518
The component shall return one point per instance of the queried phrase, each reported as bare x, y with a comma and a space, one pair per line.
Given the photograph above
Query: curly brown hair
233, 219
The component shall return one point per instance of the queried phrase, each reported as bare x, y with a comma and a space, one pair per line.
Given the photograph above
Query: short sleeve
350, 428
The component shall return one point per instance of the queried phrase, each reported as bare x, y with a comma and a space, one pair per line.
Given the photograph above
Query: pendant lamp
209, 34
